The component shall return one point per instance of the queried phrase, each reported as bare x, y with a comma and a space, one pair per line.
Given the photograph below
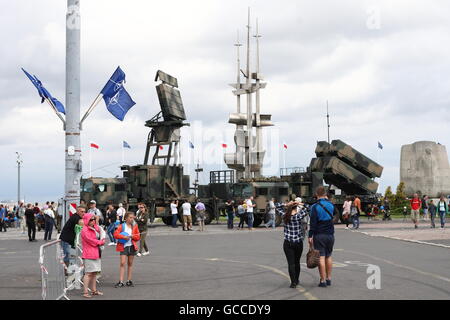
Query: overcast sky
383, 66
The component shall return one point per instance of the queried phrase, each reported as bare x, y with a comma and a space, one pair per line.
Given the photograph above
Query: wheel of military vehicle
256, 221
167, 220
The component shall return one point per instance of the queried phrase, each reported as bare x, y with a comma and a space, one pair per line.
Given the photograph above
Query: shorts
201, 215
187, 219
324, 243
415, 214
128, 251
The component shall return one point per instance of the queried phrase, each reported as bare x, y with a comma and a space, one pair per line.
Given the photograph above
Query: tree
400, 196
389, 195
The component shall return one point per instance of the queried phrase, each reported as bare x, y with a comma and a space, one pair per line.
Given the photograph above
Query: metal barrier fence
76, 267
52, 271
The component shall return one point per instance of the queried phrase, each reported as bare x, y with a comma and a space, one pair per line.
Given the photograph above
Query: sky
383, 67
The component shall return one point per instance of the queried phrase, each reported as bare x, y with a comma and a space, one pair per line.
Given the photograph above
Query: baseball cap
93, 201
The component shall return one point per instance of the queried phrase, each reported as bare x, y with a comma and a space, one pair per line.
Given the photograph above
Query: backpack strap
323, 207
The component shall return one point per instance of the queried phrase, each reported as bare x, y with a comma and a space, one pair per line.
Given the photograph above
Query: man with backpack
321, 234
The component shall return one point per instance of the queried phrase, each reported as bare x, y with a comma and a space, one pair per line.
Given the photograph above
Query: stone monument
424, 168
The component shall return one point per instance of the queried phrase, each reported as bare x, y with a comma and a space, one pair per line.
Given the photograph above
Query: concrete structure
424, 168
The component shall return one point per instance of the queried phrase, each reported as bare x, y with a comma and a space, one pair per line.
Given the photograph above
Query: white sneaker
111, 244
146, 253
139, 254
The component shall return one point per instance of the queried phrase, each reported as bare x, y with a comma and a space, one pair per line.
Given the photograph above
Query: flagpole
91, 108
56, 111
123, 151
90, 161
284, 157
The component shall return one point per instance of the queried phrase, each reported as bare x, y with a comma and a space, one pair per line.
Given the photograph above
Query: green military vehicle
104, 191
339, 165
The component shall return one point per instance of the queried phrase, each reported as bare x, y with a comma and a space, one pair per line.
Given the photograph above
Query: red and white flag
72, 209
285, 145
93, 145
224, 145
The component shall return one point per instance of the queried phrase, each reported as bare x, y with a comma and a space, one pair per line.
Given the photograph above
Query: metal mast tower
19, 163
72, 125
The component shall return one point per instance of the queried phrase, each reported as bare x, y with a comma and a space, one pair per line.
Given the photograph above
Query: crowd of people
428, 209
31, 217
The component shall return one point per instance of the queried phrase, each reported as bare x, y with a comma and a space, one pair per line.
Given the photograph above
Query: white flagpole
123, 157
90, 160
93, 105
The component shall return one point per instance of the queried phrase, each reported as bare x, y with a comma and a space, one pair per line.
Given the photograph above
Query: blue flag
191, 145
126, 145
117, 99
380, 146
43, 93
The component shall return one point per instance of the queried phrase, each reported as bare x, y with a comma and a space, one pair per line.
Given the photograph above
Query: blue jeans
271, 221
66, 250
49, 222
442, 217
250, 219
110, 232
174, 220
230, 219
355, 219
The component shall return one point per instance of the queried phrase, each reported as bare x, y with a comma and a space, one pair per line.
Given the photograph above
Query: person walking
425, 207
31, 224
49, 217
121, 212
321, 234
67, 235
127, 234
294, 234
21, 217
142, 220
91, 242
174, 211
229, 208
250, 217
187, 217
416, 204
442, 209
3, 215
111, 218
347, 206
432, 211
241, 214
200, 209
355, 213
271, 213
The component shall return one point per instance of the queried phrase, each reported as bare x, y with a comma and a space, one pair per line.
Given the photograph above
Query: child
128, 235
78, 228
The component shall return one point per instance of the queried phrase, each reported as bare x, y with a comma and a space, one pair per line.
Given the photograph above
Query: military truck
104, 191
347, 171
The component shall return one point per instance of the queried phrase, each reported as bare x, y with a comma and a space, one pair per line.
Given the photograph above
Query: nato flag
117, 99
126, 145
191, 145
43, 93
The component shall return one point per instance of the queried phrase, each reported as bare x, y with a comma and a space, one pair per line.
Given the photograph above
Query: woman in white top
346, 213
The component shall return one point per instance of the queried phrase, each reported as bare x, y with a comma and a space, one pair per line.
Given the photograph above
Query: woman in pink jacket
91, 242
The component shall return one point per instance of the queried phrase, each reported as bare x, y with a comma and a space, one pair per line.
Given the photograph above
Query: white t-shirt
186, 209
249, 205
120, 212
129, 231
50, 213
173, 208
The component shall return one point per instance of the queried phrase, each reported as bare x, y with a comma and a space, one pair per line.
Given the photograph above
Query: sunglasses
93, 219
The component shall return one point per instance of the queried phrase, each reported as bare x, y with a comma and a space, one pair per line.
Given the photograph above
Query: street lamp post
19, 163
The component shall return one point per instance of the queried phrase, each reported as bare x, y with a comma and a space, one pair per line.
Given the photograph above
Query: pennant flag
72, 209
161, 147
285, 145
126, 145
93, 145
117, 99
43, 93
224, 145
380, 145
191, 145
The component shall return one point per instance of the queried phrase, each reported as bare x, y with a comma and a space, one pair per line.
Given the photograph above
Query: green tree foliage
399, 199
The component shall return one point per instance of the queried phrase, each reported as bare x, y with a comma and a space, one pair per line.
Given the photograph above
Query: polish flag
93, 145
72, 209
224, 145
285, 145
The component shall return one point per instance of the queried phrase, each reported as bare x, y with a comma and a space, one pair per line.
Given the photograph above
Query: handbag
312, 258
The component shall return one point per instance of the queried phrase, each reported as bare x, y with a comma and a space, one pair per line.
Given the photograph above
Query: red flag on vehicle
93, 145
224, 145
